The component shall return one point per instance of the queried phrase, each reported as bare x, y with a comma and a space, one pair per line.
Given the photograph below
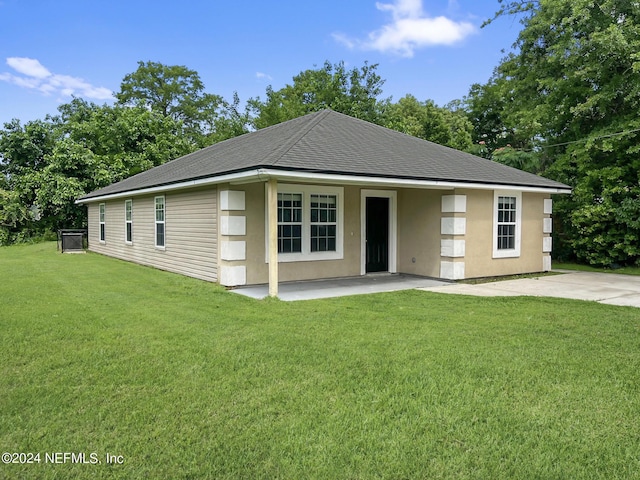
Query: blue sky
50, 50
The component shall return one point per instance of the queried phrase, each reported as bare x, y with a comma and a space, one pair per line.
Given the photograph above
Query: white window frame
102, 229
511, 252
319, 223
291, 223
128, 221
157, 222
306, 255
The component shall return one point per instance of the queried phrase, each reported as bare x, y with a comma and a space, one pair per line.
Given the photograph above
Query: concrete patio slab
338, 287
606, 288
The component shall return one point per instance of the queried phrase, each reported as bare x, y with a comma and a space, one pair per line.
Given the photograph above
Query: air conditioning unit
72, 241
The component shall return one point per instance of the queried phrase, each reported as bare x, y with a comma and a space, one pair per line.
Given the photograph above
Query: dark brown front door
377, 217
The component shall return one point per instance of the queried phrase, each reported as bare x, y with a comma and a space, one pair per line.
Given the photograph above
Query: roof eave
263, 174
245, 177
442, 184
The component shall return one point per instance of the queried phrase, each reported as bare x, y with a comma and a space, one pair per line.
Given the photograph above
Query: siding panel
190, 229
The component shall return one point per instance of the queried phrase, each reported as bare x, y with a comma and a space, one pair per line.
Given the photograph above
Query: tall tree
487, 107
428, 121
162, 113
13, 214
46, 165
24, 148
574, 89
229, 121
173, 91
130, 140
353, 92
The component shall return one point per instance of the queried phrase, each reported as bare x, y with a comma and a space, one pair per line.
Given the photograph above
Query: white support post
272, 209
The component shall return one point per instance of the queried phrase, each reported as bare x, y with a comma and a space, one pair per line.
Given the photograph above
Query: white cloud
263, 76
409, 30
24, 82
402, 8
35, 76
28, 66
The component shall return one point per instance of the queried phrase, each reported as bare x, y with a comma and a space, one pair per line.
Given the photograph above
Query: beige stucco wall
190, 227
419, 232
419, 236
479, 261
193, 237
256, 267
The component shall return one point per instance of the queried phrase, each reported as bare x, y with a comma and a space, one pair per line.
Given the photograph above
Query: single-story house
324, 196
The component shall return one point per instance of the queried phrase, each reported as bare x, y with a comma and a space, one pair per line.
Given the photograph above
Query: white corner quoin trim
454, 204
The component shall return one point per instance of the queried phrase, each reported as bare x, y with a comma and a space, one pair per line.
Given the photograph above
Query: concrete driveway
606, 288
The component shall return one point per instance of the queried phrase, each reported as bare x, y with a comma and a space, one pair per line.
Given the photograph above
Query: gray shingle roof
330, 142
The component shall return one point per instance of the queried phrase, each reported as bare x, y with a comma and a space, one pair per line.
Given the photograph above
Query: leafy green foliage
357, 93
428, 121
495, 124
177, 92
172, 90
353, 92
604, 211
23, 149
571, 89
48, 164
12, 214
230, 121
524, 160
132, 139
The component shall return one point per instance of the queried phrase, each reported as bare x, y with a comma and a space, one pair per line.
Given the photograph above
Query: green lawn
185, 380
588, 268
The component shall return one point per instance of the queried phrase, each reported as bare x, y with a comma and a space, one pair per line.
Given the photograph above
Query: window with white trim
310, 223
159, 222
128, 221
101, 220
324, 221
507, 224
289, 222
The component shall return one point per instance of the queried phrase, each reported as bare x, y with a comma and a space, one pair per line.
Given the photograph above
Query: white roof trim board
265, 174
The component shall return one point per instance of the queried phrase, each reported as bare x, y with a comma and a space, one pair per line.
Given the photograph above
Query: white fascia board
264, 174
397, 182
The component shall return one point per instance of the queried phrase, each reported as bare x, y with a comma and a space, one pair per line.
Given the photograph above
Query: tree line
162, 112
563, 103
